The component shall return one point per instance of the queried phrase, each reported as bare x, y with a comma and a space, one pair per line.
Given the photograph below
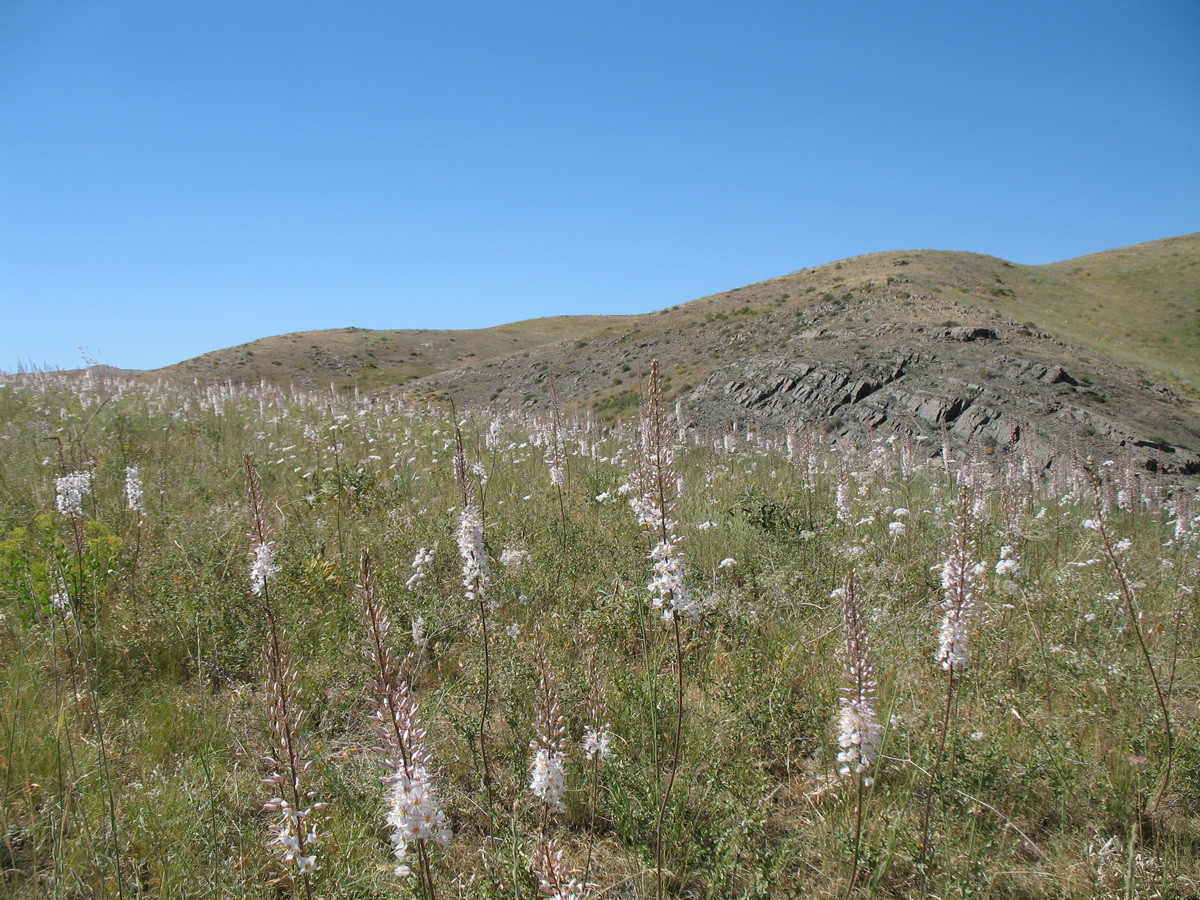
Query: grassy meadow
146, 670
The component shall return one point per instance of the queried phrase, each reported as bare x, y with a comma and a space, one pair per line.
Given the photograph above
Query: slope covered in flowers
1022, 725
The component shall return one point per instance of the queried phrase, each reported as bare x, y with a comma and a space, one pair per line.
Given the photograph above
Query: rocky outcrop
776, 386
1014, 403
967, 333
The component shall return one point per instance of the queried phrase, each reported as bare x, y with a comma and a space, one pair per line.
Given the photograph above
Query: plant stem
678, 739
1128, 601
858, 817
487, 697
933, 773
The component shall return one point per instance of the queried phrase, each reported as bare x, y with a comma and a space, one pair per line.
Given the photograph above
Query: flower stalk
294, 829
859, 732
415, 814
654, 506
475, 578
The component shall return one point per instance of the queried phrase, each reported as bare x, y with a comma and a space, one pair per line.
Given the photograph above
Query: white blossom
415, 814
513, 559
70, 490
548, 778
475, 572
262, 566
597, 741
960, 573
420, 564
288, 829
1008, 566
133, 490
859, 734
844, 514
60, 597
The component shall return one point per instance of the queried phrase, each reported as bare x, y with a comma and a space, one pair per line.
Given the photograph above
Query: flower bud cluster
555, 880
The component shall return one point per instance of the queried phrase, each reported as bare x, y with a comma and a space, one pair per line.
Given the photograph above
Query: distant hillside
1103, 351
371, 360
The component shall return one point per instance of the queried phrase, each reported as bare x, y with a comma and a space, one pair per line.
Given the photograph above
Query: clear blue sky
181, 176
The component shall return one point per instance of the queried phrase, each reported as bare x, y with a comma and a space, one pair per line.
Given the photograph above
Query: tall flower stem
416, 814
859, 732
475, 579
596, 749
284, 719
655, 507
485, 708
593, 795
1129, 603
284, 712
960, 571
933, 772
71, 488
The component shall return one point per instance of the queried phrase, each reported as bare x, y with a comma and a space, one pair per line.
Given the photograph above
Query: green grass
132, 731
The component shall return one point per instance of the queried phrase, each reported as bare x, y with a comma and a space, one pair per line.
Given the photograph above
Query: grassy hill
1123, 325
372, 359
1138, 305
